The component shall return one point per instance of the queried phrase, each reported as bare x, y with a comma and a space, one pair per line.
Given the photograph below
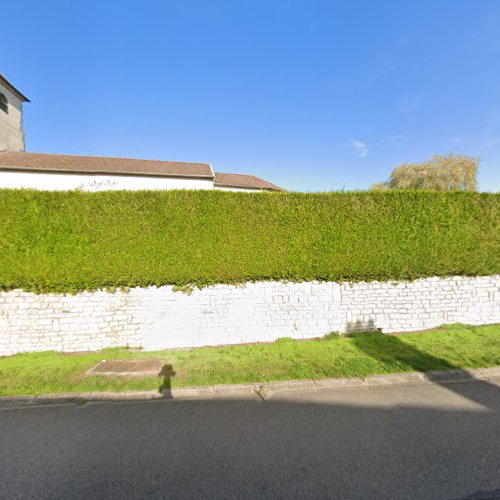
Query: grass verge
445, 348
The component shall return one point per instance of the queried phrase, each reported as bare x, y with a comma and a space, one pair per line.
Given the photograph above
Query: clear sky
312, 95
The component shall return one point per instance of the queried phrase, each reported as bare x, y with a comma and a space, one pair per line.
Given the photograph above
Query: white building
19, 169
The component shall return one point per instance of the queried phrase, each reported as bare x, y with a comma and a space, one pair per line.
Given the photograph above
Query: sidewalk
262, 391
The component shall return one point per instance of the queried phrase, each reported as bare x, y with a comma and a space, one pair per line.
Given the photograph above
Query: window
4, 105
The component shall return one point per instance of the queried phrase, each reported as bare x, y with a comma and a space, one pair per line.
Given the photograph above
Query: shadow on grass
166, 373
390, 350
419, 443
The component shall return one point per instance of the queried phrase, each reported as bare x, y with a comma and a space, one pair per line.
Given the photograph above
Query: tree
442, 173
381, 186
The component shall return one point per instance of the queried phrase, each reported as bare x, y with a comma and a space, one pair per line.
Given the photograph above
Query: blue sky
312, 95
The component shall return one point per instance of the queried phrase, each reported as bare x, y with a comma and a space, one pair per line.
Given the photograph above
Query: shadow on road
394, 351
410, 442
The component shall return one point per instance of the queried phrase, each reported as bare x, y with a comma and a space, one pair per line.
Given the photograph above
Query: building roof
128, 166
244, 181
101, 165
6, 83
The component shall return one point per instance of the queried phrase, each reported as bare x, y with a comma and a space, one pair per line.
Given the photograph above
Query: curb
264, 391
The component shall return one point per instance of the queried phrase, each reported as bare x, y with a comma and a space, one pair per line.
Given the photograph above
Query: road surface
415, 441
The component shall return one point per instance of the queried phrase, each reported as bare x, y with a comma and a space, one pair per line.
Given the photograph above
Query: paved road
420, 441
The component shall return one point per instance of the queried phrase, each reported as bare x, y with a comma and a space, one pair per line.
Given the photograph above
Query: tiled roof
244, 181
104, 165
128, 166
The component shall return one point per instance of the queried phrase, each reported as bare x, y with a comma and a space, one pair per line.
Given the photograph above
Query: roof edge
127, 158
268, 186
272, 186
101, 172
13, 89
265, 188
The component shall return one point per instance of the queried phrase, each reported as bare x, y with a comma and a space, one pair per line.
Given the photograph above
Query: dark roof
244, 181
101, 165
128, 166
13, 89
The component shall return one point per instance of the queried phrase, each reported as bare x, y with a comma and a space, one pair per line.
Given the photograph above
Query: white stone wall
421, 304
156, 318
83, 322
96, 182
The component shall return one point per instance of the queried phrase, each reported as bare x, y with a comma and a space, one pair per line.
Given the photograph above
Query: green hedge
70, 241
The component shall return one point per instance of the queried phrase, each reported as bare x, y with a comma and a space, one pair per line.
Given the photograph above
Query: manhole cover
129, 368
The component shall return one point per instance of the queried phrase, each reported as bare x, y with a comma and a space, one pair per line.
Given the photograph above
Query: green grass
445, 348
71, 241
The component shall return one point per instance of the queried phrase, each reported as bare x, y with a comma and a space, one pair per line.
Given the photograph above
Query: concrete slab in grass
127, 368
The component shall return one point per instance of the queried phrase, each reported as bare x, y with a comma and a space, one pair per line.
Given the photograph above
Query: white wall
66, 181
158, 318
11, 123
238, 189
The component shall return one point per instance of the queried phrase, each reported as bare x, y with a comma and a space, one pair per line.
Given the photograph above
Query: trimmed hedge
71, 241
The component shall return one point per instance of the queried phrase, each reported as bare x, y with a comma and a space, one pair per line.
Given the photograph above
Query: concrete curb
264, 391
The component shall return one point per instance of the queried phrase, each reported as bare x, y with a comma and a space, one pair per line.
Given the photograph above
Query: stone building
53, 172
11, 117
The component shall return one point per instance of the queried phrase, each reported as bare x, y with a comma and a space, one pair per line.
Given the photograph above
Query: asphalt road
420, 441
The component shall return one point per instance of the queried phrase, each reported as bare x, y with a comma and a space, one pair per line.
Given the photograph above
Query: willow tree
442, 173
